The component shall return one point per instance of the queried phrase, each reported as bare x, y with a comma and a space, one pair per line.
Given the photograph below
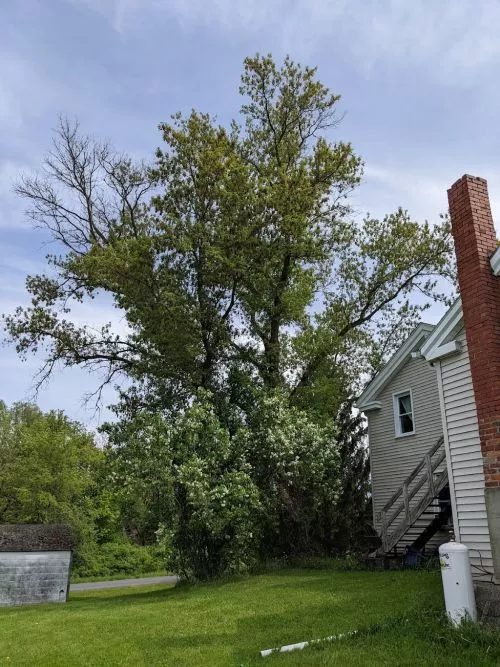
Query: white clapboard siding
465, 464
393, 459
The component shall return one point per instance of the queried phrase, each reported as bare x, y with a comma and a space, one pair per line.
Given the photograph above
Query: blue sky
419, 88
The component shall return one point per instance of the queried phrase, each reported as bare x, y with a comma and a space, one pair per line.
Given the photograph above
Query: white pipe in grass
300, 645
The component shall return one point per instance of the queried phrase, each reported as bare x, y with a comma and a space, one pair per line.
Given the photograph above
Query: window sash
406, 425
403, 413
405, 409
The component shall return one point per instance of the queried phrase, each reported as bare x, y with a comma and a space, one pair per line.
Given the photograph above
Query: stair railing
404, 508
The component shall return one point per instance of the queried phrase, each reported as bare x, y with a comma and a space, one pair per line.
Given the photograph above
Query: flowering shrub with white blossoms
295, 464
217, 504
243, 493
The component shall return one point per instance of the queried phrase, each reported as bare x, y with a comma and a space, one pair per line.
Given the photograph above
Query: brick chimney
475, 242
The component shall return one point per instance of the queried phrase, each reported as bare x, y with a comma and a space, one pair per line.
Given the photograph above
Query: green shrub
212, 531
117, 558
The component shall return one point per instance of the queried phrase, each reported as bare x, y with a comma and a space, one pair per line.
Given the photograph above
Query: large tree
51, 471
234, 258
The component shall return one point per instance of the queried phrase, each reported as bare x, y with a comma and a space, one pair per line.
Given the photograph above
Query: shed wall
34, 577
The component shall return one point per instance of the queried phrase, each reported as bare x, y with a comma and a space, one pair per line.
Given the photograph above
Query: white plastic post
457, 582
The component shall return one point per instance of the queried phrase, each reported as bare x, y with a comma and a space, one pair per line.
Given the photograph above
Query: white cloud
453, 38
25, 90
98, 313
15, 72
386, 187
120, 13
14, 262
423, 192
11, 207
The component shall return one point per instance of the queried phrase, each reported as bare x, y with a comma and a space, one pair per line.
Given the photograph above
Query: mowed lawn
228, 623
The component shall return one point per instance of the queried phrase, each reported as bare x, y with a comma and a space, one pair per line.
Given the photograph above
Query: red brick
475, 241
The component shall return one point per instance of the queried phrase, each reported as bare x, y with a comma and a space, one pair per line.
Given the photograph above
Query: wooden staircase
417, 498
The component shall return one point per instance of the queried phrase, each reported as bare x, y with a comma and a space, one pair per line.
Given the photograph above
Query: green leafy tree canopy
233, 258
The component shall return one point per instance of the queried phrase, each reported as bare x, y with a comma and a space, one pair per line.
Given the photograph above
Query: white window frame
395, 408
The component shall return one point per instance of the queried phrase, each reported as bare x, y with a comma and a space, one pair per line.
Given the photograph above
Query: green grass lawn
227, 623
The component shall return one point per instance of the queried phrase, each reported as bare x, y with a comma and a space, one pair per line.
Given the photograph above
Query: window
403, 414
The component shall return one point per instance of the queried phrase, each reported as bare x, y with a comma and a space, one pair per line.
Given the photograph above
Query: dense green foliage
228, 496
349, 526
235, 258
115, 558
50, 472
295, 465
241, 273
211, 531
229, 622
221, 493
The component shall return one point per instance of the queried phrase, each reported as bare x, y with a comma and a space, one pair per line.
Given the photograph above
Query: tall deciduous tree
234, 256
240, 272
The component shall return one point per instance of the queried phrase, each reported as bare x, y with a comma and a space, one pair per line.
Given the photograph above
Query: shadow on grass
230, 621
255, 630
133, 596
344, 580
244, 637
188, 641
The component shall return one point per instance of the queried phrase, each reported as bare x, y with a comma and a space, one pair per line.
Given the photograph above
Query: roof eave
437, 346
367, 400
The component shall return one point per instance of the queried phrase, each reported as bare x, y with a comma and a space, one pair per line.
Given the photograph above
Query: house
433, 411
404, 428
